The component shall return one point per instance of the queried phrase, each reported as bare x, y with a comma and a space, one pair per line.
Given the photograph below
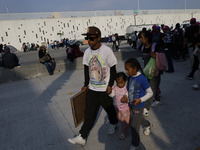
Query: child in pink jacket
118, 91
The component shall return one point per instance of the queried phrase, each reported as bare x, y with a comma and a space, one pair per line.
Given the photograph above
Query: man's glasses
90, 38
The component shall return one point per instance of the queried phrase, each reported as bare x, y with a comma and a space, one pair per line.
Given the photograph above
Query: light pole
138, 5
185, 4
7, 9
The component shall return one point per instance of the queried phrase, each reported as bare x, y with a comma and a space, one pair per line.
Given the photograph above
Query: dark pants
134, 44
93, 102
179, 51
154, 83
113, 45
169, 60
195, 66
137, 120
51, 67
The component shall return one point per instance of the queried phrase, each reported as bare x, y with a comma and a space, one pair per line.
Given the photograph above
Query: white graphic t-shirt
99, 62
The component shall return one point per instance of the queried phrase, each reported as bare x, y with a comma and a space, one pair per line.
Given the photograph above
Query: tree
61, 34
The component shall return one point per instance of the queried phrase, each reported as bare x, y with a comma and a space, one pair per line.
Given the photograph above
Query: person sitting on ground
45, 59
9, 60
70, 53
73, 51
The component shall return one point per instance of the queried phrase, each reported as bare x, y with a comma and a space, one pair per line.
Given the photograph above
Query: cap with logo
92, 31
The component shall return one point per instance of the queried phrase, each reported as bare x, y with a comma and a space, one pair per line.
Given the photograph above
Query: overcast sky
25, 6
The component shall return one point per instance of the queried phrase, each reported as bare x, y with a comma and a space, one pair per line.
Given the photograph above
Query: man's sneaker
196, 86
112, 128
134, 148
77, 140
155, 103
147, 130
122, 136
188, 77
145, 112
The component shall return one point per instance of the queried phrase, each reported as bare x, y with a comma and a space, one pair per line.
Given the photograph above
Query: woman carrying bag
148, 51
46, 59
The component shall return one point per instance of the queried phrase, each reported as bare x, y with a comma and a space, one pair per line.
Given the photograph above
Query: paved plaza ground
36, 114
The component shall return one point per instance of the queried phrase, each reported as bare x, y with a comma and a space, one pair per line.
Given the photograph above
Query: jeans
169, 60
51, 67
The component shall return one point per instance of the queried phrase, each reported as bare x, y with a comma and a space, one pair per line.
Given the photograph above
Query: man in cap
168, 48
100, 70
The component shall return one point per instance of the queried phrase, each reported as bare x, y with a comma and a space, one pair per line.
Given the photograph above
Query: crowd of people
26, 47
177, 44
134, 92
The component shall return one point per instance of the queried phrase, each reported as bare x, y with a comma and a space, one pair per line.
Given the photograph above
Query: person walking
178, 43
139, 91
189, 38
114, 40
168, 48
100, 71
190, 43
146, 39
123, 111
133, 39
197, 82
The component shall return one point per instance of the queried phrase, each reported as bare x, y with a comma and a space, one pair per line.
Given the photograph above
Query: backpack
161, 60
168, 38
156, 38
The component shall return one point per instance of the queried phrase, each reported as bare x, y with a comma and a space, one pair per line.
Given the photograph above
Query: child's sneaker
112, 128
155, 103
122, 136
147, 130
77, 140
145, 112
134, 148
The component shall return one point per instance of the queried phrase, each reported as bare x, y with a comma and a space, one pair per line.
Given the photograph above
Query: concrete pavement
36, 114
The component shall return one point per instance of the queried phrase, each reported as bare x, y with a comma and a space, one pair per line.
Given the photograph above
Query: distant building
17, 28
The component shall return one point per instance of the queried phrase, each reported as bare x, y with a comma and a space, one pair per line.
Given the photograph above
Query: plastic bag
150, 68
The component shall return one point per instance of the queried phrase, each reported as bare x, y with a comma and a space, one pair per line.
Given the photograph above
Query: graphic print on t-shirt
97, 71
134, 90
